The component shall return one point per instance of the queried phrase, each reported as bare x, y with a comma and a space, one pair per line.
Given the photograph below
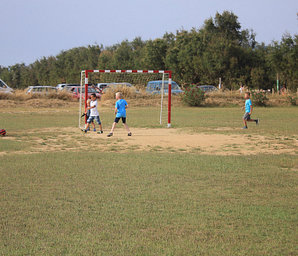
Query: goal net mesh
133, 86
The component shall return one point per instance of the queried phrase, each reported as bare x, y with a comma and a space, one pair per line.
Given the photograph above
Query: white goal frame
86, 73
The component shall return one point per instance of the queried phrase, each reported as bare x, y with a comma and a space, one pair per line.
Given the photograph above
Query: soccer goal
137, 81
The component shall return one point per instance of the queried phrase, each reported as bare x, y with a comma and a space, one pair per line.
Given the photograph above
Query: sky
33, 29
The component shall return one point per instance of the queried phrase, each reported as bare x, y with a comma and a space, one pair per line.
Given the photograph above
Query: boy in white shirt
93, 114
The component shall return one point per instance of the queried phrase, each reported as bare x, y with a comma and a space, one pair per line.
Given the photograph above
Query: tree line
219, 49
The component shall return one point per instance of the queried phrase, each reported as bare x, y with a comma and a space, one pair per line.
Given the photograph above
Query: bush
259, 98
5, 96
192, 96
61, 95
128, 93
20, 95
292, 99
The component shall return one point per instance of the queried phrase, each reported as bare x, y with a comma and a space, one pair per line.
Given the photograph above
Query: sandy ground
163, 140
174, 140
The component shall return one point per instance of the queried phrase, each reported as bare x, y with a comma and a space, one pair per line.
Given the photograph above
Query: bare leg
245, 124
125, 125
113, 127
249, 120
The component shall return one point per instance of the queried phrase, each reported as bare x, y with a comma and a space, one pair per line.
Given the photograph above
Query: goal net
133, 82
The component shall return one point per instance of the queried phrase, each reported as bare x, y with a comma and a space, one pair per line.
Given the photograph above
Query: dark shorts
118, 118
246, 116
88, 118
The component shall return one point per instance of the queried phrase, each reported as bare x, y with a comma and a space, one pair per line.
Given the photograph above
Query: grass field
78, 200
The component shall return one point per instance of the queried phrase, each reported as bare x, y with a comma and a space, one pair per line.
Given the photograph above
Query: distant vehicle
155, 87
40, 89
76, 92
63, 86
207, 88
114, 86
4, 88
101, 86
69, 86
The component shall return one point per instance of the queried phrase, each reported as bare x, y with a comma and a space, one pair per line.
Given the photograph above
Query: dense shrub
192, 96
128, 93
4, 96
259, 98
20, 95
61, 95
292, 99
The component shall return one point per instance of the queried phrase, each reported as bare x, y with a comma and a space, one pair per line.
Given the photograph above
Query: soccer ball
2, 132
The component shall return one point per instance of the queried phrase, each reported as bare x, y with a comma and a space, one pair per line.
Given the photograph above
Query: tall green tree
122, 57
283, 59
155, 54
138, 53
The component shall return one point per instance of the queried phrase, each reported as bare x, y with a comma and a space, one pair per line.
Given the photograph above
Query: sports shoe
245, 127
257, 121
84, 130
129, 134
110, 134
94, 130
88, 129
100, 132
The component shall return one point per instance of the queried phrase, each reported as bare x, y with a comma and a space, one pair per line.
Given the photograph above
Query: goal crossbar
86, 72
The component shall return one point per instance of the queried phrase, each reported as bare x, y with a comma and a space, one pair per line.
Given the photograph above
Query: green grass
12, 146
19, 121
124, 202
148, 204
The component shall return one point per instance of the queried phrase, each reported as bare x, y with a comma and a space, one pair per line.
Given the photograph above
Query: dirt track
176, 140
161, 140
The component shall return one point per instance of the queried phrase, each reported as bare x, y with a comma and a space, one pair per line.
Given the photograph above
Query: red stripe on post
170, 98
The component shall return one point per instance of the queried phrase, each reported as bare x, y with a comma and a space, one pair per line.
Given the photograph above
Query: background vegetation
220, 48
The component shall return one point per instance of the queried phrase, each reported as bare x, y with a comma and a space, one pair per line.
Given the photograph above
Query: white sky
33, 29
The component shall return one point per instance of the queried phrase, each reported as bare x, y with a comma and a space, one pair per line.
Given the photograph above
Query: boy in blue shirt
248, 111
120, 112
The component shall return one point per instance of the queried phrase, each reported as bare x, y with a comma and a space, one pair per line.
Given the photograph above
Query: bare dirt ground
159, 140
177, 140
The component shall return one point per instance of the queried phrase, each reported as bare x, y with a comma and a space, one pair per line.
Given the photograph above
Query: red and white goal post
140, 77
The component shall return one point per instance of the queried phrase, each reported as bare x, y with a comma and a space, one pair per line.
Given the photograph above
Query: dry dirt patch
174, 140
161, 139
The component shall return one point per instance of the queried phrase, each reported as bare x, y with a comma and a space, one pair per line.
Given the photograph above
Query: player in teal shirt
121, 108
120, 112
248, 111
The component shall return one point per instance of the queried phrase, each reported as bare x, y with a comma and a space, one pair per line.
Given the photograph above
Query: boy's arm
116, 110
90, 107
250, 109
